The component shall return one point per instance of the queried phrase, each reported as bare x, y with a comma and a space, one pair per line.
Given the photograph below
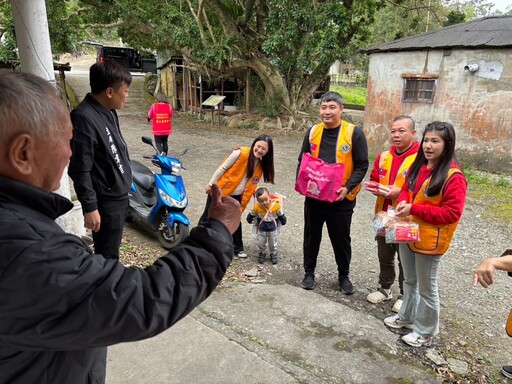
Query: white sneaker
379, 296
397, 305
396, 323
416, 340
242, 255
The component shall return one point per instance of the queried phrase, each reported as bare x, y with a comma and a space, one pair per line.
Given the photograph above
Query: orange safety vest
162, 125
234, 175
385, 162
343, 153
434, 239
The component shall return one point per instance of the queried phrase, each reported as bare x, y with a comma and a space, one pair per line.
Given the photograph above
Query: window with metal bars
419, 90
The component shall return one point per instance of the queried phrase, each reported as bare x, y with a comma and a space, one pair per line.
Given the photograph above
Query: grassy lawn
493, 192
352, 95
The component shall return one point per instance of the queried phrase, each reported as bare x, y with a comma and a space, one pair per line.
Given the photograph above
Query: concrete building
461, 74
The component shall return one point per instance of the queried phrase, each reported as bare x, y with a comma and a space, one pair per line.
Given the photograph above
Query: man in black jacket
61, 305
100, 165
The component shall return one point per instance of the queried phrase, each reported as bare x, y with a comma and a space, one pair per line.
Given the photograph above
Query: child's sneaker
261, 258
273, 258
396, 323
416, 340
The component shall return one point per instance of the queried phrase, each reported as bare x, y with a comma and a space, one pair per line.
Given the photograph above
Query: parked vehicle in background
126, 56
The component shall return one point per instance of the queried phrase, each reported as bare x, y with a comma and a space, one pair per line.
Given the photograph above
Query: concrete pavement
252, 333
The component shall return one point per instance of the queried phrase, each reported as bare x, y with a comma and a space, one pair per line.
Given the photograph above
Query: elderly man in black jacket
61, 305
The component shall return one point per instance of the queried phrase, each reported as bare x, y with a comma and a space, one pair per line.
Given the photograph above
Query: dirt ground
472, 319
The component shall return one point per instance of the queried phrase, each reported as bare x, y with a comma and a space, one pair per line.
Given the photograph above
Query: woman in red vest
238, 176
433, 195
161, 114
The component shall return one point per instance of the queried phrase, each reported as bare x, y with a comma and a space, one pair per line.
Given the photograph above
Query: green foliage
301, 38
454, 17
65, 37
8, 45
288, 44
352, 95
269, 107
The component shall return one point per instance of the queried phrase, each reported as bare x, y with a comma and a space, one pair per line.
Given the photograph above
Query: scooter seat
142, 175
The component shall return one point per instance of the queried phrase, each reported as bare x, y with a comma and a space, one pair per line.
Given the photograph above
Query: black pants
108, 239
386, 253
338, 217
237, 236
161, 144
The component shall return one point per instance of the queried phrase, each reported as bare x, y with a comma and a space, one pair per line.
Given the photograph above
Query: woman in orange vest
238, 176
161, 114
434, 195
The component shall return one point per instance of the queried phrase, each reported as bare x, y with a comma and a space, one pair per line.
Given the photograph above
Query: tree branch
198, 19
110, 25
208, 25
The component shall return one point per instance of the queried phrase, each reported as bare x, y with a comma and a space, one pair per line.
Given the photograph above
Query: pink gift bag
318, 179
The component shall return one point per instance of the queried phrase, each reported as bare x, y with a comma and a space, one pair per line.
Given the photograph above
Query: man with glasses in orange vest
389, 170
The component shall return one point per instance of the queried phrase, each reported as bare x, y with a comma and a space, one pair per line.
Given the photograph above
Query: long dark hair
440, 172
267, 161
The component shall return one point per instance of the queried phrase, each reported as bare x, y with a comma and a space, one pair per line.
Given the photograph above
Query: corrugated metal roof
493, 31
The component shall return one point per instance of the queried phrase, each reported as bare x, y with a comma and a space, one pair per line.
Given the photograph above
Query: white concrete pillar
33, 40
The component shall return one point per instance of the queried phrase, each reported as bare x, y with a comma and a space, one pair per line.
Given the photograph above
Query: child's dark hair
440, 172
267, 161
260, 191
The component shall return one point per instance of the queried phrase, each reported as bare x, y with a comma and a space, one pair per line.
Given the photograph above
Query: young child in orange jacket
269, 214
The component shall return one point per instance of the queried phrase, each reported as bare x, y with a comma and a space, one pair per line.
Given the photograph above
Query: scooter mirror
184, 151
147, 140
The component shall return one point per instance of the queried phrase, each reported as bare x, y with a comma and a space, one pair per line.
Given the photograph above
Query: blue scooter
159, 199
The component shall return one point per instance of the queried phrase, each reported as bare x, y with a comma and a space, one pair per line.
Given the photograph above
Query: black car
127, 57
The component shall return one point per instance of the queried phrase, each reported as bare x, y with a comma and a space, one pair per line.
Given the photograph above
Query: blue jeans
421, 294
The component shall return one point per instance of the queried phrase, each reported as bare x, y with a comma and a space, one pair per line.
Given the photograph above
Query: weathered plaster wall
478, 104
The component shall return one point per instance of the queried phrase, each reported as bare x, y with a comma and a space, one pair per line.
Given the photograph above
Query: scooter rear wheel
171, 237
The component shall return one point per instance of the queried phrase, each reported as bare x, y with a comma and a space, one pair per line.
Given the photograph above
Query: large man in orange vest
389, 170
333, 141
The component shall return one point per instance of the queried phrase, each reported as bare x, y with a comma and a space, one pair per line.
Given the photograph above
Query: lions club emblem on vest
345, 148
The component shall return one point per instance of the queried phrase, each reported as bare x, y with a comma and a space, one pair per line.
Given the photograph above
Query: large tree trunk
272, 80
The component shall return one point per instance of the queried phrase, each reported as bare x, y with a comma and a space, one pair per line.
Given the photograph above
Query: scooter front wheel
170, 237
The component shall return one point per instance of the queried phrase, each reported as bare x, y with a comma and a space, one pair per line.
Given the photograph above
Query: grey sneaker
396, 323
309, 281
273, 258
416, 340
